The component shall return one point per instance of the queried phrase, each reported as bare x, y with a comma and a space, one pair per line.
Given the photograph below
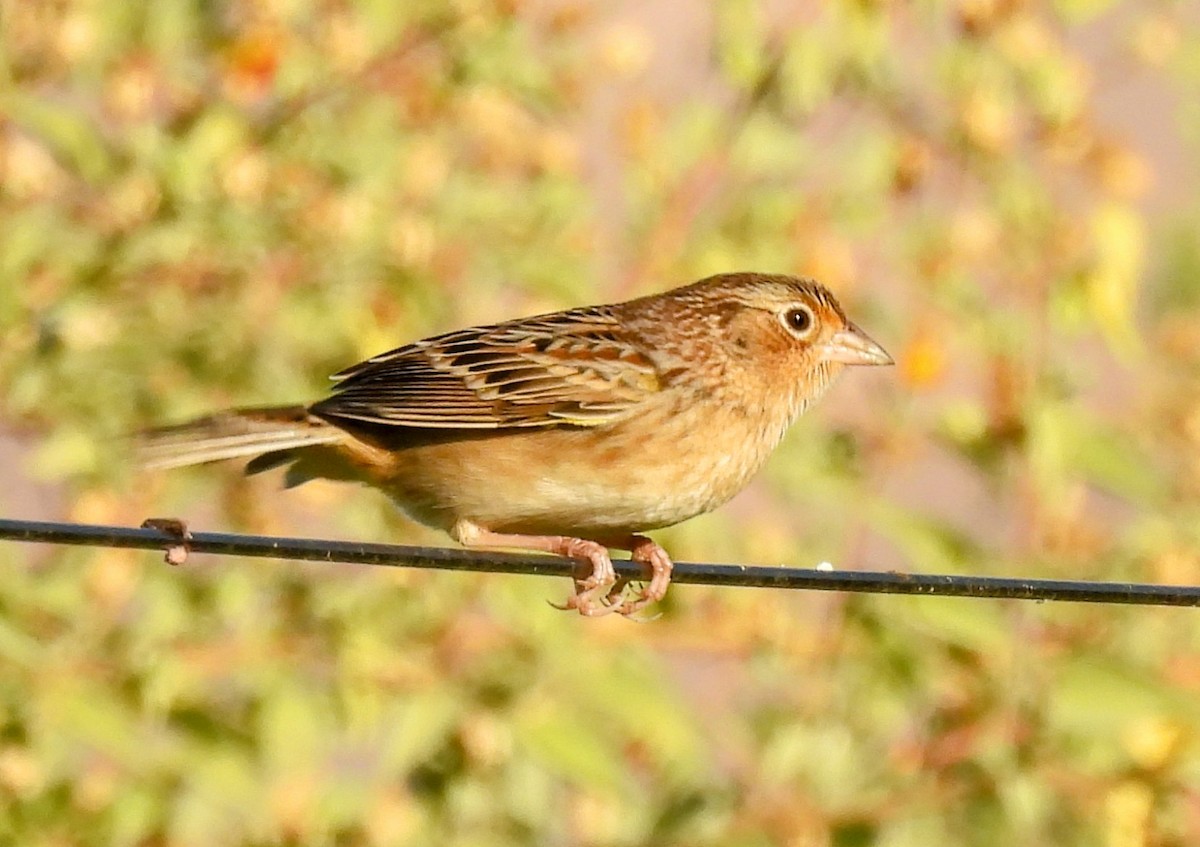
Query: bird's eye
798, 319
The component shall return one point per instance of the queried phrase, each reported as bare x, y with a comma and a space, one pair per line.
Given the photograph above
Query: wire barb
745, 576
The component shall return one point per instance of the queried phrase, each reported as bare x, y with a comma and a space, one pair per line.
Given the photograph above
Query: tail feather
233, 434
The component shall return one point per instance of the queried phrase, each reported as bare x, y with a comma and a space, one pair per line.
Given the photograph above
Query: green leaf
571, 747
66, 129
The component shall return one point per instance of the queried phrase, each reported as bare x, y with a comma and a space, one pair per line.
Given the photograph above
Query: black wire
389, 555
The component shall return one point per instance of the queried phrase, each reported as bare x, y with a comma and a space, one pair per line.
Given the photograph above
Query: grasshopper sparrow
568, 433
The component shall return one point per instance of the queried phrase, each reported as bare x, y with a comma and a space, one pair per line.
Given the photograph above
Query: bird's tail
233, 434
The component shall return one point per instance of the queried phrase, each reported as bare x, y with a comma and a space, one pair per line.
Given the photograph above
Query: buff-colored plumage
566, 432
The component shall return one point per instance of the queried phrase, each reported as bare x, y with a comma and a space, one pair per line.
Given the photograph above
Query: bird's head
789, 321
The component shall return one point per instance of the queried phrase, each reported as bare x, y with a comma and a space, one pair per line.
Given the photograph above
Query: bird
569, 433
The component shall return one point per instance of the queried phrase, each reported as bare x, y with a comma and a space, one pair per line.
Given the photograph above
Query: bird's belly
581, 481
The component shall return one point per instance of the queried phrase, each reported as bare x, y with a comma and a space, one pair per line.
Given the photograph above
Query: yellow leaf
1118, 243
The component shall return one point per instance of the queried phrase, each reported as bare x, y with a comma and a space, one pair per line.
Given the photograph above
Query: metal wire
745, 576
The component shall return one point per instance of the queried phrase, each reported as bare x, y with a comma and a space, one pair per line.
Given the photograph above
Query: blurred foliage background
207, 204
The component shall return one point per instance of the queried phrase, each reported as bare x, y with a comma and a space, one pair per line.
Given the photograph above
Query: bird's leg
589, 592
643, 549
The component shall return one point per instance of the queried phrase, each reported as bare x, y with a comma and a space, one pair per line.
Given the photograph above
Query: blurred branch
744, 576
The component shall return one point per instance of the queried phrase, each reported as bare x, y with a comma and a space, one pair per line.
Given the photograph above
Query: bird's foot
647, 552
601, 592
592, 594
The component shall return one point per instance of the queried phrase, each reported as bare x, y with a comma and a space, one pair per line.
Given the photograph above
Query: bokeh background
208, 204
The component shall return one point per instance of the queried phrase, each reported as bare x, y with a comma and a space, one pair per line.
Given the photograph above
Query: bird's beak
852, 346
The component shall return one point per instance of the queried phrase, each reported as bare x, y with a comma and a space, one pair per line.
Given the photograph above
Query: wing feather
580, 367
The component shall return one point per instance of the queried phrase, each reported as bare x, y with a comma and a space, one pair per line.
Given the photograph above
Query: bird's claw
636, 604
584, 601
616, 591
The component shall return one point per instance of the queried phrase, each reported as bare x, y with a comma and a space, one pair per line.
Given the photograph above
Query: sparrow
568, 433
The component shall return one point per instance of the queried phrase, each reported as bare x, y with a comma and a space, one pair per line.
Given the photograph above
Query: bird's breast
708, 455
672, 460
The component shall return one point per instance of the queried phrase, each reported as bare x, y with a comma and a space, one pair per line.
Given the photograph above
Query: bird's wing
578, 367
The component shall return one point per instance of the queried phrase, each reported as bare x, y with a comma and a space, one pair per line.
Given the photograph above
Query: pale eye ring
799, 320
